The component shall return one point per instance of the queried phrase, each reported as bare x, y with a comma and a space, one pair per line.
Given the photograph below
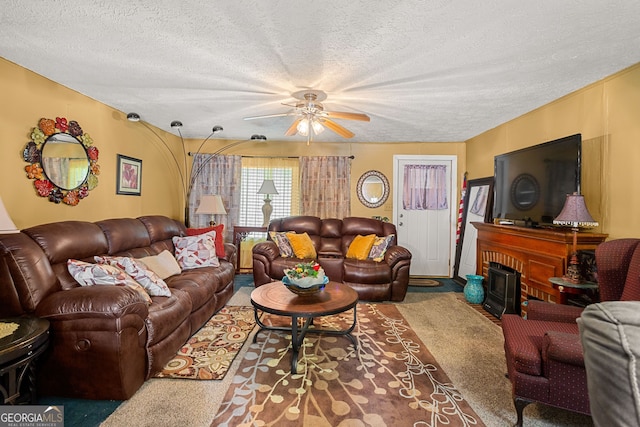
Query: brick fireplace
537, 254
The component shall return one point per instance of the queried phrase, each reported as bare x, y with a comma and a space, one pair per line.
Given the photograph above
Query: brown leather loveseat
374, 281
105, 341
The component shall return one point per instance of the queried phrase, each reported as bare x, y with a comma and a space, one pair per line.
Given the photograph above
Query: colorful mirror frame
32, 154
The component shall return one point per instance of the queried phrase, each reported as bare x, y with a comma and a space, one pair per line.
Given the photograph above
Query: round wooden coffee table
275, 298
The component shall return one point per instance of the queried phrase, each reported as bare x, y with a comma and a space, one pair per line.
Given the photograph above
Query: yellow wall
606, 114
27, 97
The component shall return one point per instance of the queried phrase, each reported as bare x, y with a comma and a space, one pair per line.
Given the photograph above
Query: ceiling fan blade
293, 129
268, 116
343, 132
347, 116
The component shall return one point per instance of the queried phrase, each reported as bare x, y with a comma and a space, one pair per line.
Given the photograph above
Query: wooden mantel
537, 253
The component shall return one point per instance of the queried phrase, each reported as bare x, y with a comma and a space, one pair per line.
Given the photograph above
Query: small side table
239, 234
567, 288
18, 354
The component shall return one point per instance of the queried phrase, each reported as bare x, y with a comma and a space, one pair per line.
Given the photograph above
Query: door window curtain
425, 187
217, 175
325, 186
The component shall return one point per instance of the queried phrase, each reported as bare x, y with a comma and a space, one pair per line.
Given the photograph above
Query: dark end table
18, 354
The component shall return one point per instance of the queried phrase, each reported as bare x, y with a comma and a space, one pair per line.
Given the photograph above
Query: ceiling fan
311, 117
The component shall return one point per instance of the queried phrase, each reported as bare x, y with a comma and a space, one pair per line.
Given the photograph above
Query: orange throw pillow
302, 245
219, 242
360, 247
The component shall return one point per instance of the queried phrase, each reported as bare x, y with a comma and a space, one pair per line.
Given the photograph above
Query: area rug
390, 379
209, 352
419, 281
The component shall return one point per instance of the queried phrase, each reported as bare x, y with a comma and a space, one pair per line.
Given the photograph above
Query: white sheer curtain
216, 175
325, 186
425, 187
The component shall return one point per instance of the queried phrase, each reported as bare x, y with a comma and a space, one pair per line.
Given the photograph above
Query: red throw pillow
219, 234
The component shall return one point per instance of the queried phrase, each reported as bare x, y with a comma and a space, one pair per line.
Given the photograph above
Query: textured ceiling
439, 70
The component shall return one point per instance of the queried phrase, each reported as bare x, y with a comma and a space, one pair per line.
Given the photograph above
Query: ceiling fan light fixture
303, 127
317, 127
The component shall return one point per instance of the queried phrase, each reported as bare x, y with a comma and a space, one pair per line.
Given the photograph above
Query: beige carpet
468, 347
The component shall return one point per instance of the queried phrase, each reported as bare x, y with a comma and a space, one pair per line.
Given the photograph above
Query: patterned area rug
209, 352
391, 379
420, 281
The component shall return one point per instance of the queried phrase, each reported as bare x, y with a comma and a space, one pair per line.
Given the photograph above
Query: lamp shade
211, 204
267, 187
6, 224
574, 213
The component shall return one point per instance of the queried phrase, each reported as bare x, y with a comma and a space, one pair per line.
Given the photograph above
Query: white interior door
428, 234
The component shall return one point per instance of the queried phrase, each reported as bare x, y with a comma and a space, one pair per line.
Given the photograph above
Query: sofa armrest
396, 254
562, 347
540, 310
264, 253
230, 254
92, 302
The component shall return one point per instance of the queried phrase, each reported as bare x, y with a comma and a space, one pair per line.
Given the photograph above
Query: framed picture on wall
129, 176
478, 207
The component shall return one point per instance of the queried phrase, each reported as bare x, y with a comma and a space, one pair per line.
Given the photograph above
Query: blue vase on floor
473, 290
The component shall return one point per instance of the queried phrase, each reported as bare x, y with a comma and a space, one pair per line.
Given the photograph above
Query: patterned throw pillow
219, 241
88, 274
360, 247
380, 246
282, 242
164, 264
196, 251
302, 245
154, 285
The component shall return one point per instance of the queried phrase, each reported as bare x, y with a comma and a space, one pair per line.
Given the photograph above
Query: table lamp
211, 205
575, 214
6, 224
267, 188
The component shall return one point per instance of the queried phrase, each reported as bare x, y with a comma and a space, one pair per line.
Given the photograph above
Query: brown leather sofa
105, 341
374, 281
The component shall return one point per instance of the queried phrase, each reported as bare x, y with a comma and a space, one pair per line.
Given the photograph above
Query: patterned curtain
325, 186
425, 187
217, 175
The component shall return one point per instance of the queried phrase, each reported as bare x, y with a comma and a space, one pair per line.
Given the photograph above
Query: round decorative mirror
373, 189
62, 161
525, 191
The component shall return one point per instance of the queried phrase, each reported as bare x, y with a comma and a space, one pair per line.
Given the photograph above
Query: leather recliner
387, 280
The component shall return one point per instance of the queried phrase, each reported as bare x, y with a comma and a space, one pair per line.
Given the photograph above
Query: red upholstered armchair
544, 356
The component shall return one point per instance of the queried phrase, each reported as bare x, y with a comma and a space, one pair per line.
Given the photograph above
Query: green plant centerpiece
305, 278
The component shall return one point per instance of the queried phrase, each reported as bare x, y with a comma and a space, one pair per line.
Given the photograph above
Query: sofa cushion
380, 246
219, 239
367, 271
302, 245
164, 264
282, 242
88, 274
196, 251
150, 281
360, 247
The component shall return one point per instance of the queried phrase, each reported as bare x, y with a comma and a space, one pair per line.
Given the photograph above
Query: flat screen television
531, 185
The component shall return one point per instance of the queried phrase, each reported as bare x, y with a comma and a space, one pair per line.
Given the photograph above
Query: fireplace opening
503, 290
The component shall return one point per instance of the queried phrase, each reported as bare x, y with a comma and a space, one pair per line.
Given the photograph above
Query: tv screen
531, 185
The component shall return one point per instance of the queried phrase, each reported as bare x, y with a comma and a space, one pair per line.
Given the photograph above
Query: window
285, 175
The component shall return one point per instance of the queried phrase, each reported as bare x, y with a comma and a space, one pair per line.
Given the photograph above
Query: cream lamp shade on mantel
211, 205
6, 224
267, 188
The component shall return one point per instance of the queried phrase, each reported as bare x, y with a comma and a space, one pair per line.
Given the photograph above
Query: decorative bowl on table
305, 278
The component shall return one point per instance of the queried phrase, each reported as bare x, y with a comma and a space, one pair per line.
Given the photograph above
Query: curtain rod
282, 157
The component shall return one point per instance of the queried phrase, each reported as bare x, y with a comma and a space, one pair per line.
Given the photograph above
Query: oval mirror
373, 189
65, 161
